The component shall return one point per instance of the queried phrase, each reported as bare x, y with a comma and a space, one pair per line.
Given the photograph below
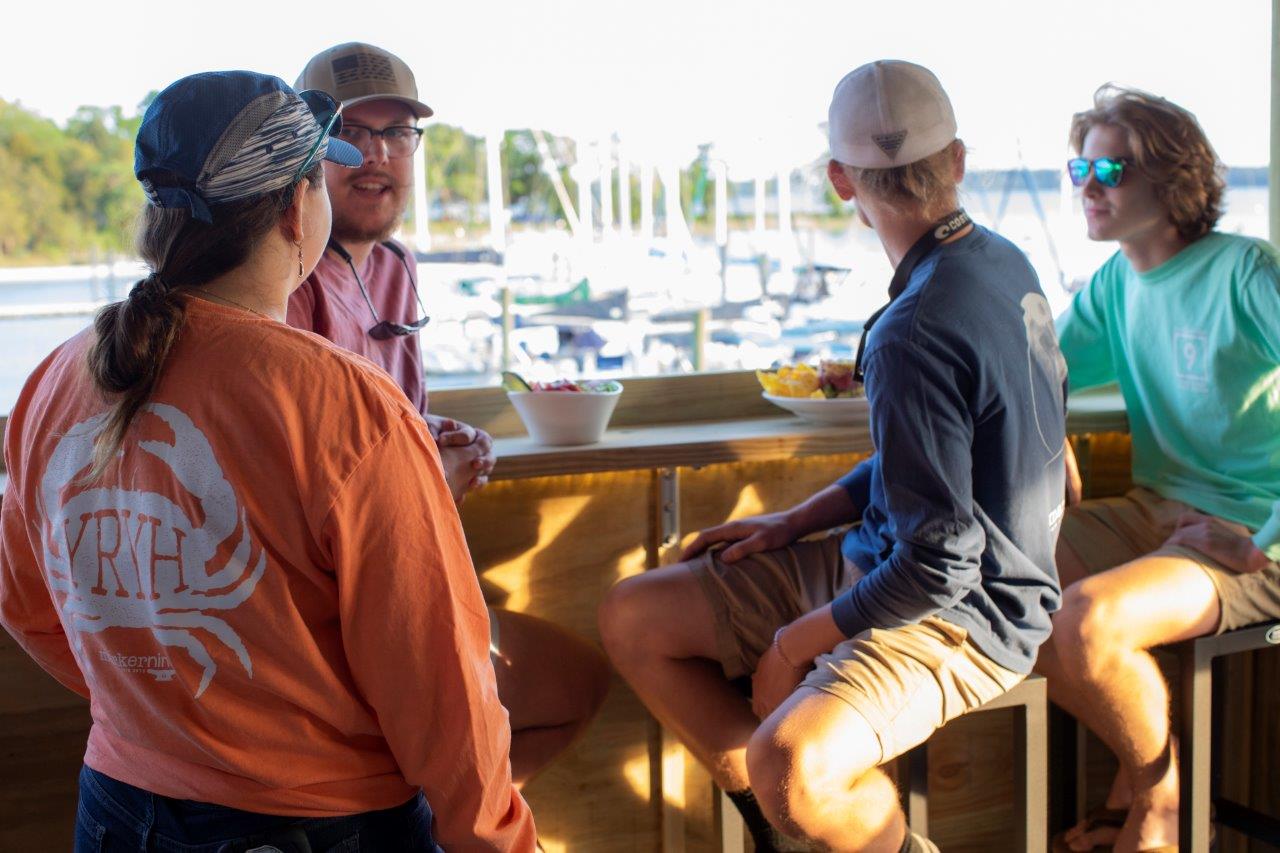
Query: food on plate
512, 381
832, 379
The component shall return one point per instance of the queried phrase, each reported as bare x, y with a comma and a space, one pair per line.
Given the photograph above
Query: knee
784, 791
623, 620
796, 782
1089, 628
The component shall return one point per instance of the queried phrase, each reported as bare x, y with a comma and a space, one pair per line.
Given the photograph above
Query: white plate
837, 410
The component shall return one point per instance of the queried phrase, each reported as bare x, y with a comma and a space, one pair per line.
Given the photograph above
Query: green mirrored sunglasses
1109, 171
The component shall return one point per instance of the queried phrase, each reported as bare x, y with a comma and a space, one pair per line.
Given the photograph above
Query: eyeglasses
1109, 171
401, 139
328, 114
382, 330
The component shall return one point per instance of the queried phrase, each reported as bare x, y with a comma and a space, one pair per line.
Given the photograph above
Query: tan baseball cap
889, 113
356, 72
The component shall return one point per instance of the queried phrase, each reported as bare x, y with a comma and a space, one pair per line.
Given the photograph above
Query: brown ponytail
134, 337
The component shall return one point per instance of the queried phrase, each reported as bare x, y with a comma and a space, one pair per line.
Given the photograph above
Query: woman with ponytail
267, 600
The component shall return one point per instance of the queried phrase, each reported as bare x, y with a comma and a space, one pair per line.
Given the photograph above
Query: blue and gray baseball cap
224, 136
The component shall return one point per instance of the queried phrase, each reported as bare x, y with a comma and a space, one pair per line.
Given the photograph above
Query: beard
359, 226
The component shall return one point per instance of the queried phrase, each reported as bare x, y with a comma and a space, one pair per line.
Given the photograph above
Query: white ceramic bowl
565, 417
837, 410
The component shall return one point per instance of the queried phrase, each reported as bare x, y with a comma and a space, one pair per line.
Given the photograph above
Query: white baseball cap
889, 113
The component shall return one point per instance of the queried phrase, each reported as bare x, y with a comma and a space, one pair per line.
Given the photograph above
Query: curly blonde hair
1169, 147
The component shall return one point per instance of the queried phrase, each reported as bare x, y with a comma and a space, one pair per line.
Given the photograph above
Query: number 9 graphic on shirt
1190, 351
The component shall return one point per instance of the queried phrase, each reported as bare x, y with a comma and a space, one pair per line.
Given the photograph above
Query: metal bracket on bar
669, 495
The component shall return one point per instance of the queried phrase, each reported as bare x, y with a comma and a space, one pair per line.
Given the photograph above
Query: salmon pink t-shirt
329, 303
268, 601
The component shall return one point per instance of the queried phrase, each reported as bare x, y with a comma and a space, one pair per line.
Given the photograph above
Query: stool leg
733, 837
917, 785
1196, 730
1031, 758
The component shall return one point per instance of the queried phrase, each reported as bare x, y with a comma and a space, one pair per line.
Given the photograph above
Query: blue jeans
114, 816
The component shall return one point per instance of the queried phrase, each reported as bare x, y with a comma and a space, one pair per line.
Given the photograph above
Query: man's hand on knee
746, 536
1224, 541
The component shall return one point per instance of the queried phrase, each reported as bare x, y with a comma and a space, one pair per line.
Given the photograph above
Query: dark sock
761, 831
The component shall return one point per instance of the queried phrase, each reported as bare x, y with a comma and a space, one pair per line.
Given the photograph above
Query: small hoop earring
299, 244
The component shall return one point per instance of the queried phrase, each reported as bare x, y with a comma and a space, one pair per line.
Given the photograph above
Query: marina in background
646, 298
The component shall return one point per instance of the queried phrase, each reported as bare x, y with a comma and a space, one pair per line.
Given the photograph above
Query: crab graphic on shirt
130, 558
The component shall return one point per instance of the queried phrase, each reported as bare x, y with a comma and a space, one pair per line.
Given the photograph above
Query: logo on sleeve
118, 557
1191, 359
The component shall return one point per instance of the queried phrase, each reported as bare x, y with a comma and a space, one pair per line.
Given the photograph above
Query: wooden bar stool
1200, 745
1029, 702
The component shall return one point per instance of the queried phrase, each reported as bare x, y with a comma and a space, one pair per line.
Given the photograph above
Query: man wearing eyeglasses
363, 296
1187, 321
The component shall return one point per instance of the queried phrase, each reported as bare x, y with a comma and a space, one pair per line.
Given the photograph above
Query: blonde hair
928, 183
1169, 147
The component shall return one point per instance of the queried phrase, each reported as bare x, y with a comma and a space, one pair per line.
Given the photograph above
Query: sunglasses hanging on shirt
385, 329
942, 230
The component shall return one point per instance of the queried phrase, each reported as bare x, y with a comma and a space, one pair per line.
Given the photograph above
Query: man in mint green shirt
1187, 321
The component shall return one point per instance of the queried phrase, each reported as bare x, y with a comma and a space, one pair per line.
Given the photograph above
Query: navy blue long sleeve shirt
962, 502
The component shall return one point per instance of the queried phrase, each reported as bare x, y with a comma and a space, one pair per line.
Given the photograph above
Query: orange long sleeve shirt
269, 602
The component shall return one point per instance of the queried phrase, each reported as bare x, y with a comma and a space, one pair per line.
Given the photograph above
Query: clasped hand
466, 454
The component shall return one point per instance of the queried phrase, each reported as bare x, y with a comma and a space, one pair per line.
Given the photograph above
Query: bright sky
755, 76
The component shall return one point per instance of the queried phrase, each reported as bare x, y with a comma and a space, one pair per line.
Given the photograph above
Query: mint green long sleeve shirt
1195, 347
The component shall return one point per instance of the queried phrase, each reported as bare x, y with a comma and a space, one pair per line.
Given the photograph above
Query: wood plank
40, 753
684, 398
551, 547
693, 445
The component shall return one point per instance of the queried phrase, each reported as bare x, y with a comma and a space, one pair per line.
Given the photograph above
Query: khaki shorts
906, 682
1109, 532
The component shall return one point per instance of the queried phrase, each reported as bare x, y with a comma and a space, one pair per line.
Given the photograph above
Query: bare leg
1061, 692
813, 767
552, 684
1099, 651
658, 630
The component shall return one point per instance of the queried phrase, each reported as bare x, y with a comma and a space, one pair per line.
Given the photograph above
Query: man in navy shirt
860, 645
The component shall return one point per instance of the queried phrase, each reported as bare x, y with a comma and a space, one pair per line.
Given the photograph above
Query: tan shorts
906, 682
1109, 532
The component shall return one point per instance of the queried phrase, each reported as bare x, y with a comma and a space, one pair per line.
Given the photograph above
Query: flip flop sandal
1097, 818
915, 843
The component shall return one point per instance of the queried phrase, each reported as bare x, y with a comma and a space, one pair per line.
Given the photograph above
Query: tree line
68, 194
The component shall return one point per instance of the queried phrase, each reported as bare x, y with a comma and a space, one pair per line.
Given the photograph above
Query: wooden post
507, 324
646, 201
497, 209
421, 212
701, 322
624, 192
604, 150
1273, 171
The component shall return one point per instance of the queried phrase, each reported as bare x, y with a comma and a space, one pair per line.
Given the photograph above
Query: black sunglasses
382, 330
